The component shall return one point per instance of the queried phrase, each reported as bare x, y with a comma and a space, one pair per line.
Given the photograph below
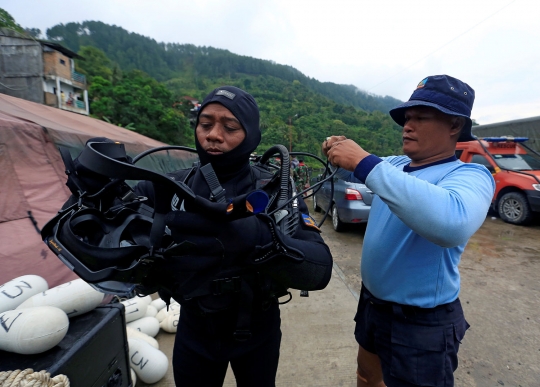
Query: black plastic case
94, 352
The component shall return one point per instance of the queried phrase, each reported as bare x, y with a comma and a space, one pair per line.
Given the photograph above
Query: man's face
218, 130
428, 135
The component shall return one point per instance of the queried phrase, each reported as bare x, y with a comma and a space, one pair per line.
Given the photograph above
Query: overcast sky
384, 47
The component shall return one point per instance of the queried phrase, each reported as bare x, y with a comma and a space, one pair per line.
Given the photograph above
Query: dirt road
500, 295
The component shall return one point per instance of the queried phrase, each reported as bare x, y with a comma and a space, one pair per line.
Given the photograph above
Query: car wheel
316, 207
338, 224
514, 208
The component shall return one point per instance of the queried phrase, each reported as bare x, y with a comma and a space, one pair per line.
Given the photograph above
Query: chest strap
218, 192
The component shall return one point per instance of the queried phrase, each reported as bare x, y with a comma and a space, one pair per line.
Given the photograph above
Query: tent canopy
32, 178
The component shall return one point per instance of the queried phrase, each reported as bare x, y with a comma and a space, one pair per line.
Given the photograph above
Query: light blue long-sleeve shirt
419, 224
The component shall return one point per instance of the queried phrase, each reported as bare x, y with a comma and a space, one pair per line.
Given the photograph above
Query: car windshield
523, 162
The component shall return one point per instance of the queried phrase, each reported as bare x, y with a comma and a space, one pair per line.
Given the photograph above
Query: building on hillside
194, 107
524, 127
41, 71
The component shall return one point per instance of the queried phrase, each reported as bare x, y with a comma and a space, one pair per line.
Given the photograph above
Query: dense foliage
7, 21
139, 102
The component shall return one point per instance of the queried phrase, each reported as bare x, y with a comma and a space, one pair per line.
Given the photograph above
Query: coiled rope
29, 378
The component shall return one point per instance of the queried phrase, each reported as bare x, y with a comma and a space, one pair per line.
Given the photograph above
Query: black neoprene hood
243, 106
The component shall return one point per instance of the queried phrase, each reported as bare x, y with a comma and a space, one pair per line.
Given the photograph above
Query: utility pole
290, 131
290, 134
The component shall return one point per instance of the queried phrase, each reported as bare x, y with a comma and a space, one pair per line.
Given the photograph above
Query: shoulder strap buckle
218, 193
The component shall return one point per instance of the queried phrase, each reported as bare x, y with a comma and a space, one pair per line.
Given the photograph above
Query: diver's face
218, 130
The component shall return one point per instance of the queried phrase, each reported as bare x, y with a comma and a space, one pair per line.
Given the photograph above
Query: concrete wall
21, 67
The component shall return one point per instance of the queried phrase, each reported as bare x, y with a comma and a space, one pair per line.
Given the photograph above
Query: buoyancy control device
114, 244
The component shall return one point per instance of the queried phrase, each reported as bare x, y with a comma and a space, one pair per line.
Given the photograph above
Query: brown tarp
32, 178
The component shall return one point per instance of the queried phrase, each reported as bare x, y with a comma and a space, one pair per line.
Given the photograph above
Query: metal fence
78, 77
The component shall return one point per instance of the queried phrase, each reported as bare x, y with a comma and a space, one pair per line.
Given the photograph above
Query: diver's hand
240, 237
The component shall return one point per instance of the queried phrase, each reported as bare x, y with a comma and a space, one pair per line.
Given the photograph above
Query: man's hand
343, 153
327, 144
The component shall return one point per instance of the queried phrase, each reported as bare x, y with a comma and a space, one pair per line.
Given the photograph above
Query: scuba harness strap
70, 170
245, 306
218, 193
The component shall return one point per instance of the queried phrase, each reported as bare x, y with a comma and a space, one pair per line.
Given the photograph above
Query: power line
444, 45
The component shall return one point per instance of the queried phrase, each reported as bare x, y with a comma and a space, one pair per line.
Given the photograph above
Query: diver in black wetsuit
230, 278
239, 323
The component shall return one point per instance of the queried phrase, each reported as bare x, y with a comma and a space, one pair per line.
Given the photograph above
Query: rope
29, 378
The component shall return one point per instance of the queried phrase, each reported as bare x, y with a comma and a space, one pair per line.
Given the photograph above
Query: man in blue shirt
409, 321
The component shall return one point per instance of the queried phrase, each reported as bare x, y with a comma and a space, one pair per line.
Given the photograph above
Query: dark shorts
417, 346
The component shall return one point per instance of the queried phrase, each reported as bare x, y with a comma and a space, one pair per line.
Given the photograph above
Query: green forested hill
139, 83
165, 61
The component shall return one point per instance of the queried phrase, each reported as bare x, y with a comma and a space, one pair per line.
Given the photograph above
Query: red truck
516, 170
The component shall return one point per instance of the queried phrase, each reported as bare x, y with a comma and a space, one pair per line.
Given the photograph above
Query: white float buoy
32, 330
149, 364
135, 334
74, 297
15, 292
135, 308
148, 325
151, 311
146, 299
158, 303
170, 323
162, 314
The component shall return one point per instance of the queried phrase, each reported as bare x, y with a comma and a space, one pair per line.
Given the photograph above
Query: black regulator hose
285, 171
162, 148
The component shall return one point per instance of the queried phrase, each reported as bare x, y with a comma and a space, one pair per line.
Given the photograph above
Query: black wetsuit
205, 340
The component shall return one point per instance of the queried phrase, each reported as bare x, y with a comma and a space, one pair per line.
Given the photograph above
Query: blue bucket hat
444, 93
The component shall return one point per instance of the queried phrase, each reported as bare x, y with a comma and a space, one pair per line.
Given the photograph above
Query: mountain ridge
165, 61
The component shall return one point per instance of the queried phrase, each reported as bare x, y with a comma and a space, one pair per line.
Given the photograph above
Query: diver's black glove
238, 237
254, 239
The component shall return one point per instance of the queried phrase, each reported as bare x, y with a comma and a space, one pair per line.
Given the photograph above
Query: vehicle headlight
536, 187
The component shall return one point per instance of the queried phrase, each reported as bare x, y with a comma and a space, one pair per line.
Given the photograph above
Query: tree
140, 102
33, 32
94, 62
